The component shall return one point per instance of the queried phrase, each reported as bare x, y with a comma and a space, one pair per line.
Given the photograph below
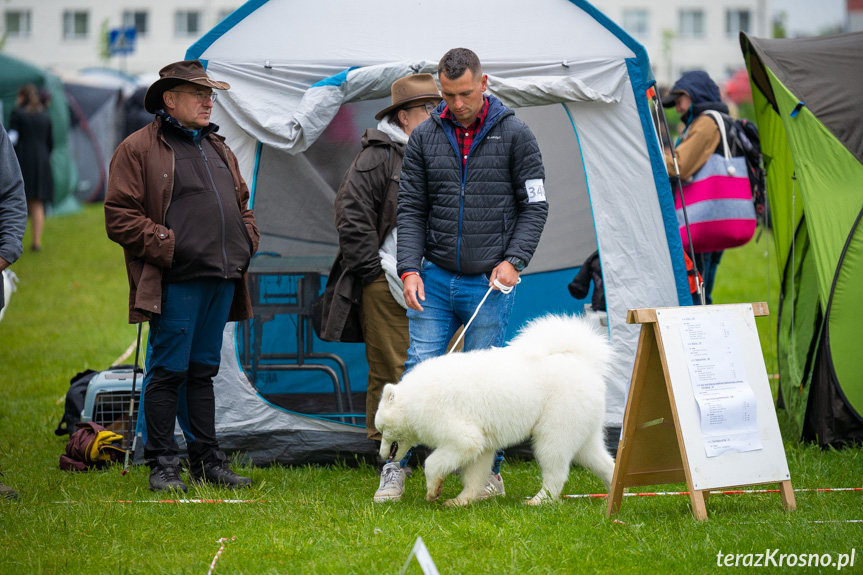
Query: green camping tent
15, 73
806, 94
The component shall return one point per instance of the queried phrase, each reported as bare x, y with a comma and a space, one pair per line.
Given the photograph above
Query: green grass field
70, 314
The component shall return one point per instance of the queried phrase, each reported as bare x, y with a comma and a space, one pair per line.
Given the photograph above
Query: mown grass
70, 314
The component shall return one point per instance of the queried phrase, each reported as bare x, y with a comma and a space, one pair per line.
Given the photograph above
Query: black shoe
165, 476
217, 471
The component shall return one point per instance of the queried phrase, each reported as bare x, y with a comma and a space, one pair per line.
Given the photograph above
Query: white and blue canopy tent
306, 80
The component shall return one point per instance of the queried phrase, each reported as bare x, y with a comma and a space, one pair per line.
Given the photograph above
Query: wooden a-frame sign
661, 440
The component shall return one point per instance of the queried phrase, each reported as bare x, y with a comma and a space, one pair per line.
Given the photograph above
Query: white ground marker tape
222, 541
423, 557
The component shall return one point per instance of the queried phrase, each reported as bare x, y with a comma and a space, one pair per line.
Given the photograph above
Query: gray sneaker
493, 487
392, 483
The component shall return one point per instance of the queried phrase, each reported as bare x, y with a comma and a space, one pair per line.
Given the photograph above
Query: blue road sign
121, 40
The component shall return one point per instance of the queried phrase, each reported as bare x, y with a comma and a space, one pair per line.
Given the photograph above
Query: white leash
503, 289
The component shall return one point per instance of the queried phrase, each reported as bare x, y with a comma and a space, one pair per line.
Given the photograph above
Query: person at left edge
13, 222
177, 204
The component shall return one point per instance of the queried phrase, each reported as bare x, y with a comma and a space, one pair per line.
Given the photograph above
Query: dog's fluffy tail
567, 334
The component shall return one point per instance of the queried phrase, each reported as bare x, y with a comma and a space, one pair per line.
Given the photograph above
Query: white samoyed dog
547, 385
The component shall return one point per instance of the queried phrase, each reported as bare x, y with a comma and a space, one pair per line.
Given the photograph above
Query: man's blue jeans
451, 300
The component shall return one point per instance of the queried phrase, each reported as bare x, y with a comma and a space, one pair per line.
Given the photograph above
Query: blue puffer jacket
468, 221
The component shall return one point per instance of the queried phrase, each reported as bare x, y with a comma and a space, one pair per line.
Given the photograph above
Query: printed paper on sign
725, 399
535, 191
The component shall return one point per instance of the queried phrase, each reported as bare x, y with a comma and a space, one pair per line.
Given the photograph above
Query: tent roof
832, 94
356, 35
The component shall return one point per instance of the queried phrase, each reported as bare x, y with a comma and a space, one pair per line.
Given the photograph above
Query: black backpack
75, 402
744, 134
75, 399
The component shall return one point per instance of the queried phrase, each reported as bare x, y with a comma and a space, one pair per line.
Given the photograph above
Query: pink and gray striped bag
718, 202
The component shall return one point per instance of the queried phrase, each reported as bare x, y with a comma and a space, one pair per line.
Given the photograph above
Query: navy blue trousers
184, 353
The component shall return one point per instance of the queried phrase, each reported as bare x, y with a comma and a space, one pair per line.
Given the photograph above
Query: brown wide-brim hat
191, 71
410, 89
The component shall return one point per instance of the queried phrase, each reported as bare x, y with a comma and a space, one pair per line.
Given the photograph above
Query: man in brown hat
177, 204
365, 268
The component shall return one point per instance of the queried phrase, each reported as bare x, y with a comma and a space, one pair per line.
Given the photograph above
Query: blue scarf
196, 135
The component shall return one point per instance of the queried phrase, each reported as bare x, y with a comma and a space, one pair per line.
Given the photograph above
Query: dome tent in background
806, 93
17, 73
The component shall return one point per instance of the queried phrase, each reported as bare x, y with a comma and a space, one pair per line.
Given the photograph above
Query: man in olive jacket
363, 298
177, 204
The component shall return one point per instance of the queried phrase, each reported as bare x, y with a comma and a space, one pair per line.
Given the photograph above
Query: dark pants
706, 264
185, 348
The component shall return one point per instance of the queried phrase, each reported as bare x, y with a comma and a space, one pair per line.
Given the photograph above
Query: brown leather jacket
365, 212
140, 185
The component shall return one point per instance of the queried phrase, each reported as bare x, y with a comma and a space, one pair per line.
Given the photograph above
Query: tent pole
133, 420
661, 113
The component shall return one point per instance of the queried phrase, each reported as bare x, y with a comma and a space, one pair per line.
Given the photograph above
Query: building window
692, 24
136, 19
75, 24
188, 23
636, 22
737, 21
17, 23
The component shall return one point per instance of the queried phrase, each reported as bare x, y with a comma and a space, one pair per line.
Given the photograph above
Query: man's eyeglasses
428, 106
200, 96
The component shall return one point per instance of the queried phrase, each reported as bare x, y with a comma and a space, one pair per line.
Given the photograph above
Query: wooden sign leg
615, 494
787, 495
648, 452
646, 344
699, 510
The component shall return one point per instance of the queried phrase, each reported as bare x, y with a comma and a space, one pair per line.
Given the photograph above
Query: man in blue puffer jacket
471, 210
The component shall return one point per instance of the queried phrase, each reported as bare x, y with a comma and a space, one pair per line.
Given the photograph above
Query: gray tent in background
94, 112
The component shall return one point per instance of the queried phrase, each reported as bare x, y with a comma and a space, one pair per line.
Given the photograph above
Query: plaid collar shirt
465, 135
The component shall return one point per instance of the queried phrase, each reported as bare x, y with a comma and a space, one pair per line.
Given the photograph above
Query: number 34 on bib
535, 191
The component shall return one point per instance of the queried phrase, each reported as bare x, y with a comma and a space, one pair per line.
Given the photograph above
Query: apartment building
67, 35
682, 35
